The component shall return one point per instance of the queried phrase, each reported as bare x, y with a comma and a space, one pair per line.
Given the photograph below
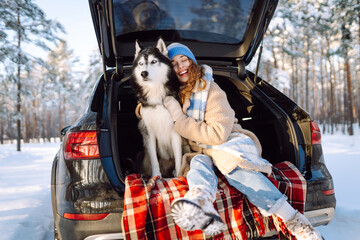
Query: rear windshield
223, 21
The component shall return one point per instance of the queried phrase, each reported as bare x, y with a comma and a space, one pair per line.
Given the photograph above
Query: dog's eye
140, 63
153, 61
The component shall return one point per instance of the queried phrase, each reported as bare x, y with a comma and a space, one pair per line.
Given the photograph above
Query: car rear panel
79, 230
84, 200
88, 192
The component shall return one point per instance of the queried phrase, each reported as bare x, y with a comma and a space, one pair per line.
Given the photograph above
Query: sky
75, 16
25, 201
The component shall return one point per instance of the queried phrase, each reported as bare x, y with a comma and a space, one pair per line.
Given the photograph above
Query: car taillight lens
81, 145
328, 192
315, 133
85, 216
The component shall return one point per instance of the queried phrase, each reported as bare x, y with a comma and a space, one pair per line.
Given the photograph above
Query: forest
311, 52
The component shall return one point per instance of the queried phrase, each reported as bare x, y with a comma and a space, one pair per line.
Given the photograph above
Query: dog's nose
144, 74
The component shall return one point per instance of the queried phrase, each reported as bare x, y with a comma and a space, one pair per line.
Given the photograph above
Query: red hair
195, 73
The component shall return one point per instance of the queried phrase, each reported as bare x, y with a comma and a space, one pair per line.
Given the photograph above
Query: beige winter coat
219, 122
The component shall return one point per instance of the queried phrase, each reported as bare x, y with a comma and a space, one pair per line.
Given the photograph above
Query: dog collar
138, 111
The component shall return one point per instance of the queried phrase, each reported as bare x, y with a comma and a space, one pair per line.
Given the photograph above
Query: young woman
207, 121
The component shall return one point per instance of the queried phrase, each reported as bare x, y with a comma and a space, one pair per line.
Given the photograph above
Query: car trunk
222, 35
255, 111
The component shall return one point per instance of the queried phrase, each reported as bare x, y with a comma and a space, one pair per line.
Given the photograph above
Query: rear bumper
321, 216
107, 236
320, 198
111, 227
79, 230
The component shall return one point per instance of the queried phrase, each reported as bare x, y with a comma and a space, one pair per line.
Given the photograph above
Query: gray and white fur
152, 79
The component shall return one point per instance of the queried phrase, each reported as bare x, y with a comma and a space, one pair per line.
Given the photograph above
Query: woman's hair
195, 72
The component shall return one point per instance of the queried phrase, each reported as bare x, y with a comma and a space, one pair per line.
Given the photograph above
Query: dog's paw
157, 173
177, 173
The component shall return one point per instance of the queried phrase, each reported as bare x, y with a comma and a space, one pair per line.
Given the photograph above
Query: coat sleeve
218, 120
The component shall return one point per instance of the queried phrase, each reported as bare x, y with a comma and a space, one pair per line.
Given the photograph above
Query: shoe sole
189, 216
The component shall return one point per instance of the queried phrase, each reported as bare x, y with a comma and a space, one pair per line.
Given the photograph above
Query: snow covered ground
25, 204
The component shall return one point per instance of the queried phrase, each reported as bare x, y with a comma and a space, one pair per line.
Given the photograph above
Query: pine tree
346, 18
61, 76
25, 21
93, 72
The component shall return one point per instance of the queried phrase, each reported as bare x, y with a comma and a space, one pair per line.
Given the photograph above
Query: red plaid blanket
147, 207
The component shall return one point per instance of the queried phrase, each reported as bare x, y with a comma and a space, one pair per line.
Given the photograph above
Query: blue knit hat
180, 49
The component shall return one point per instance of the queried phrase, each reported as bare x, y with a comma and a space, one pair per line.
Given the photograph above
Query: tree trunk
348, 101
293, 74
43, 125
307, 59
337, 78
275, 61
314, 92
60, 113
358, 80
2, 123
299, 74
350, 115
267, 70
34, 120
26, 124
323, 96
18, 105
333, 98
358, 2
358, 96
297, 78
49, 127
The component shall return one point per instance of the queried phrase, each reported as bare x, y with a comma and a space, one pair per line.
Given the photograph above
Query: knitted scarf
198, 99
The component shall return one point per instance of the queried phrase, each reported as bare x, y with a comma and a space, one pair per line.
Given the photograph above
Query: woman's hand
174, 108
218, 121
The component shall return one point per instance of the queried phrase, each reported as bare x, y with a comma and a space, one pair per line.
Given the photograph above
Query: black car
87, 180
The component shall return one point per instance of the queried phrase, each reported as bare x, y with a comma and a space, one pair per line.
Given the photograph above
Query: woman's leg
202, 175
196, 210
258, 189
261, 192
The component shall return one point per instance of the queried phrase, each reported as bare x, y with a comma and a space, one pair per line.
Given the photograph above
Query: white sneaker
301, 228
195, 211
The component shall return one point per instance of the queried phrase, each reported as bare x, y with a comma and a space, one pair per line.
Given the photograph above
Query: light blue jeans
258, 189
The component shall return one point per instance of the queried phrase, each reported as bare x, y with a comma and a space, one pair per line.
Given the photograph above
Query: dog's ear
138, 48
162, 47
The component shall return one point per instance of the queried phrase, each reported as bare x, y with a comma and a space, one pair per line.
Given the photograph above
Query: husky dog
152, 79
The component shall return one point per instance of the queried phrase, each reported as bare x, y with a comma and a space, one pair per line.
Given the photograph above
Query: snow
25, 203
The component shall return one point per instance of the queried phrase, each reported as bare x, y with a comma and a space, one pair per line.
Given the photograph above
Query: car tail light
328, 192
315, 133
85, 216
81, 145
